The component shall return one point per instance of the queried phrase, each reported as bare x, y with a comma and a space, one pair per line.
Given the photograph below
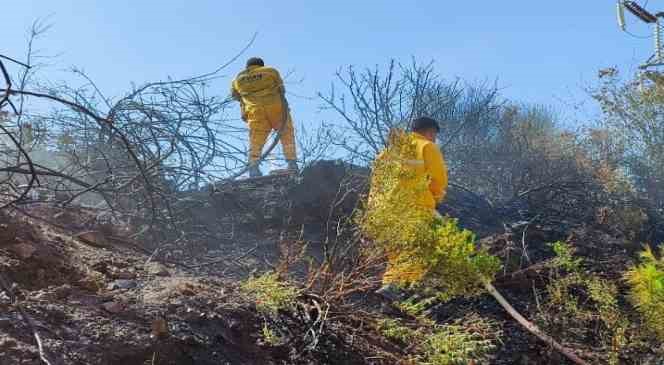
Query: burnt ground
94, 300
97, 298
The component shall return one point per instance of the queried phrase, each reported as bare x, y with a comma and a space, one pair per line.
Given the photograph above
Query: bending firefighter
261, 93
425, 181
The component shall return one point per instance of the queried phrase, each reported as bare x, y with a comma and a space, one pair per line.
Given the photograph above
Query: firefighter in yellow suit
261, 93
428, 164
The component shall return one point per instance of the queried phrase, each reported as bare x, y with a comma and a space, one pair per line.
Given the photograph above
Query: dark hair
255, 61
424, 123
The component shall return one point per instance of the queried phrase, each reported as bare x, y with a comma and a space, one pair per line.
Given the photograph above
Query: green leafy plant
271, 294
459, 343
269, 336
465, 341
646, 282
565, 257
579, 303
416, 306
394, 330
604, 295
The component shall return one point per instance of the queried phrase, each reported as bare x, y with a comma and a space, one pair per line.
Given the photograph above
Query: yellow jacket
429, 162
258, 86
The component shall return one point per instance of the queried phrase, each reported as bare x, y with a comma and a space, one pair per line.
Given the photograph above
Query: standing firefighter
261, 94
410, 169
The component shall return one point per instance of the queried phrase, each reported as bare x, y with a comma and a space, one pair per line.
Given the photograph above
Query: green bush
646, 282
579, 303
457, 344
565, 257
394, 330
269, 336
462, 342
270, 293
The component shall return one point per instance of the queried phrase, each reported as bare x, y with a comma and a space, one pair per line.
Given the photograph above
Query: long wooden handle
531, 327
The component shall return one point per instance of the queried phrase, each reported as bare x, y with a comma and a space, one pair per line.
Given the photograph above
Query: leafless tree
371, 102
514, 156
134, 158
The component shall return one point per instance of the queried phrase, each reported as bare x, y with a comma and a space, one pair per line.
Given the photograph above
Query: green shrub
271, 294
394, 330
567, 309
565, 257
415, 307
646, 282
269, 336
604, 295
466, 340
459, 344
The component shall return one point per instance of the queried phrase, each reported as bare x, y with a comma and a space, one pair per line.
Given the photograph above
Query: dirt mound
98, 306
323, 193
114, 305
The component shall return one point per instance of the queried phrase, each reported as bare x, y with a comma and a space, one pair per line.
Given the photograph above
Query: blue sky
539, 51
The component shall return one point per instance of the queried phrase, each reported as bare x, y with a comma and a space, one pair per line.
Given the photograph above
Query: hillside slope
97, 297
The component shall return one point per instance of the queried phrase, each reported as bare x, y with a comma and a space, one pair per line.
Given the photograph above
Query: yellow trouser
262, 120
400, 271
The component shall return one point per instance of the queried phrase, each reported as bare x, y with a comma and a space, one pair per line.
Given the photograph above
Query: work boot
254, 171
292, 165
